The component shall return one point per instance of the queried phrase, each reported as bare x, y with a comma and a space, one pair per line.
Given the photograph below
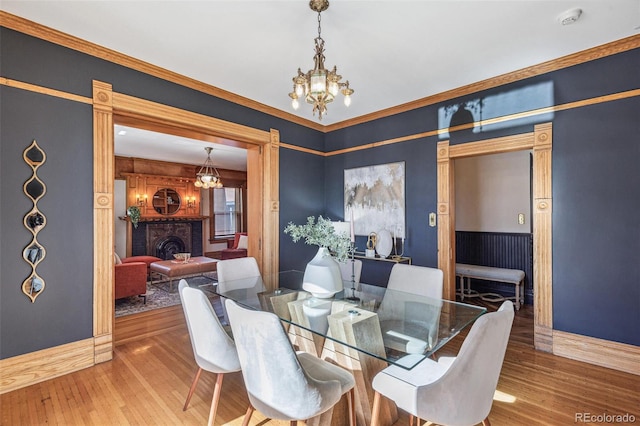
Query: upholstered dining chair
213, 349
283, 384
236, 274
399, 311
452, 391
346, 270
415, 279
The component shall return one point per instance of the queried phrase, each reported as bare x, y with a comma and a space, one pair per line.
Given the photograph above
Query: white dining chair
452, 391
237, 274
346, 270
400, 310
213, 349
283, 384
236, 269
420, 280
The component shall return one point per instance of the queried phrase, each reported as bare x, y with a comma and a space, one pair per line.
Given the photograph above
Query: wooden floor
149, 377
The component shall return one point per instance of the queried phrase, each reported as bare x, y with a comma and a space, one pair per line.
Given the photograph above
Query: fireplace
167, 247
165, 238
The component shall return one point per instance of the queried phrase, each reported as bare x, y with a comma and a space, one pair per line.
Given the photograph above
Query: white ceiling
392, 52
138, 143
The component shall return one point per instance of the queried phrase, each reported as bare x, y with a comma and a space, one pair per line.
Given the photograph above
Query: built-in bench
512, 276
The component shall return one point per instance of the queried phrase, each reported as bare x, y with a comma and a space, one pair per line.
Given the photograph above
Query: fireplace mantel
166, 218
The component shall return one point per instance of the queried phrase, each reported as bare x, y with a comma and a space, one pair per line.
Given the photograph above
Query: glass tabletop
397, 327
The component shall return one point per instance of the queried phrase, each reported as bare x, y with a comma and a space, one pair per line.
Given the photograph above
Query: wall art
374, 198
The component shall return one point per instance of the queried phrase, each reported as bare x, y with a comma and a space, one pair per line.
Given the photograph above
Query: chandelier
319, 86
208, 176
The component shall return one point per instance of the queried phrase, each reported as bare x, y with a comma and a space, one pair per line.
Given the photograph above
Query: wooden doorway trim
540, 141
262, 172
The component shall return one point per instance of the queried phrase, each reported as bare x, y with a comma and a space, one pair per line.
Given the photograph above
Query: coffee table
175, 269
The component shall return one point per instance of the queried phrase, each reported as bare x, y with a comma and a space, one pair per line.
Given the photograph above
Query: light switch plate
432, 219
521, 218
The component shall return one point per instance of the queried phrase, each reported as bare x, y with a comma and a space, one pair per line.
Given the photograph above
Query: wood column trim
103, 221
542, 237
446, 223
272, 204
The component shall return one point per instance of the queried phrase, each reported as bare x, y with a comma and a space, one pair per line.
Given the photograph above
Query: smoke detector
570, 16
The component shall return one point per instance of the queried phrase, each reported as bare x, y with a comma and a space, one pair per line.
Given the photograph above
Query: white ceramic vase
322, 275
384, 243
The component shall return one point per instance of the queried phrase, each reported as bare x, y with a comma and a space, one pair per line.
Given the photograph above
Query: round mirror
166, 201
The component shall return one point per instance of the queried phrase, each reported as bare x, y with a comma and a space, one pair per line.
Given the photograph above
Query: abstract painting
374, 198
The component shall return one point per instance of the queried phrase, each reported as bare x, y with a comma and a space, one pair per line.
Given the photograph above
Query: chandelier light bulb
295, 104
347, 100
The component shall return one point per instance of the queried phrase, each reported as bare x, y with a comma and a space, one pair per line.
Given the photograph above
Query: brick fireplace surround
163, 238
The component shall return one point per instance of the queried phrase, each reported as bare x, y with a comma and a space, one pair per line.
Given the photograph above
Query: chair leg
217, 389
411, 420
351, 396
375, 410
247, 416
486, 422
192, 389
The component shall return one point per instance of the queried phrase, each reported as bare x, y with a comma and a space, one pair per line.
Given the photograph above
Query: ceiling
392, 52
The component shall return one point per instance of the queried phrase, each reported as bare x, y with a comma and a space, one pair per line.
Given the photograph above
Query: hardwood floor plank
150, 374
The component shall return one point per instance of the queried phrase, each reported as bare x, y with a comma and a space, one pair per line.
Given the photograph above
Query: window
227, 207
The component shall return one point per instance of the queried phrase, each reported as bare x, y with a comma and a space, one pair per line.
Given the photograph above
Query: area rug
158, 296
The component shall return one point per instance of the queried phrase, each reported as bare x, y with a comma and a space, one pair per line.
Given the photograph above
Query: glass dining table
363, 328
393, 326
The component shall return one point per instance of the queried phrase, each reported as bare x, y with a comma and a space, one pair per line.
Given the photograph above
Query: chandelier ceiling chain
208, 176
318, 86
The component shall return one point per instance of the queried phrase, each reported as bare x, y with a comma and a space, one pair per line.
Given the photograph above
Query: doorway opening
262, 173
540, 141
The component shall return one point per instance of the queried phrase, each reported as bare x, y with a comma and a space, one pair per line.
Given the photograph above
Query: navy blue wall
596, 235
596, 184
63, 313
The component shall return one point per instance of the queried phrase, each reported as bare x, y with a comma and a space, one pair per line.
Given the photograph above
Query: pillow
243, 242
116, 258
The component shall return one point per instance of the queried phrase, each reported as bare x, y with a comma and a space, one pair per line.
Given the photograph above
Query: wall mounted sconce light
191, 201
141, 200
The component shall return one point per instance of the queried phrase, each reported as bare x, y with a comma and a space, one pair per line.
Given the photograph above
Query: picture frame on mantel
374, 198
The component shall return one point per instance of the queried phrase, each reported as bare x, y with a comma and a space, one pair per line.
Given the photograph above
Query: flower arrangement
134, 214
322, 234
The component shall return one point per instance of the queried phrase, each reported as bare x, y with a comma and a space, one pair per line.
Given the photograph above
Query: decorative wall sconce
191, 201
142, 200
34, 221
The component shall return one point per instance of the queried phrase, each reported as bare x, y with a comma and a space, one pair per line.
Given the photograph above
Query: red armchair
131, 280
148, 260
233, 251
131, 276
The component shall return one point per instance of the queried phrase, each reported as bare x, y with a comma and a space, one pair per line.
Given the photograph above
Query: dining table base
364, 332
